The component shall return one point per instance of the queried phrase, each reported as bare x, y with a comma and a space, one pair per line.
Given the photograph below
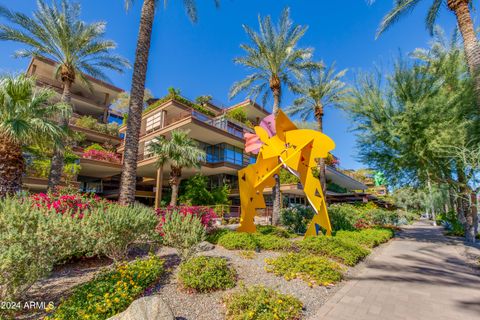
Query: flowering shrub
101, 155
205, 214
112, 292
361, 224
342, 250
259, 302
182, 232
76, 204
313, 269
205, 274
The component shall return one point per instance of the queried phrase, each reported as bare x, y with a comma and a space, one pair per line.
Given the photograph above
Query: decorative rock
205, 246
151, 308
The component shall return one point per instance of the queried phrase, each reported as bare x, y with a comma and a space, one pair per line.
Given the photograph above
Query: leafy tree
181, 152
461, 9
57, 32
276, 61
123, 99
129, 170
319, 88
26, 117
197, 192
404, 124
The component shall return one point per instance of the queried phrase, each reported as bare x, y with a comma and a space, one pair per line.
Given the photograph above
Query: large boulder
205, 246
146, 308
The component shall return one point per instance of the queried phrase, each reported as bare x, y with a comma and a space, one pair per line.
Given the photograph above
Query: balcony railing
218, 122
76, 95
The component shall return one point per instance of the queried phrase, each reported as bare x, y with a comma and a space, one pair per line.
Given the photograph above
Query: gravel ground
209, 306
193, 306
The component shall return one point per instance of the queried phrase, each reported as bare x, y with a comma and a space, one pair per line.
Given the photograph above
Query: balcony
91, 99
221, 123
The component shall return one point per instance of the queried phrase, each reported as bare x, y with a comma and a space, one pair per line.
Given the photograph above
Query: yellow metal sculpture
280, 143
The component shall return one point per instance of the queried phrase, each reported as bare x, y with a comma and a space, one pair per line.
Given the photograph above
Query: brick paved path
419, 275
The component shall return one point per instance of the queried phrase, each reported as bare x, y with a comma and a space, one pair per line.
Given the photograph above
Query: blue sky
197, 58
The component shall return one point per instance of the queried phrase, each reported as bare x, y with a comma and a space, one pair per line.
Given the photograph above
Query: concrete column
158, 192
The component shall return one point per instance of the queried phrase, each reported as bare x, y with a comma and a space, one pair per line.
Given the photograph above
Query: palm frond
401, 8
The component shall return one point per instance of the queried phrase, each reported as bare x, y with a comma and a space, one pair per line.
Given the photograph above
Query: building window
147, 153
224, 153
154, 122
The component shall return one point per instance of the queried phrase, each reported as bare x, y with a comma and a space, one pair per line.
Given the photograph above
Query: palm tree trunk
321, 162
129, 170
175, 177
470, 41
56, 167
12, 166
276, 194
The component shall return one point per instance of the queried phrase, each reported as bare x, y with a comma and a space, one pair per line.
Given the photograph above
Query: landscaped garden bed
197, 279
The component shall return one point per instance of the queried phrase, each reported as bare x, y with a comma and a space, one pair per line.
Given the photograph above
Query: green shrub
214, 235
262, 303
110, 293
237, 241
112, 228
271, 242
251, 241
183, 233
276, 231
89, 122
247, 254
296, 218
31, 241
94, 146
310, 268
342, 217
367, 237
204, 274
345, 251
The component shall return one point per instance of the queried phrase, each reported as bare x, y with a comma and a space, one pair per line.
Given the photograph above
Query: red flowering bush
101, 155
205, 214
76, 204
361, 224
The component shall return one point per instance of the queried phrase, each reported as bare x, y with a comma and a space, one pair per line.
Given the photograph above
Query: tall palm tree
461, 9
180, 151
130, 155
319, 88
26, 117
57, 32
276, 61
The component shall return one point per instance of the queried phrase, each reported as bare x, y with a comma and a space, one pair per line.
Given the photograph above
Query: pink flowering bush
206, 215
101, 155
76, 204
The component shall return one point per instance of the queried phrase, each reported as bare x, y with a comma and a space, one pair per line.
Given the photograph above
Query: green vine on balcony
174, 94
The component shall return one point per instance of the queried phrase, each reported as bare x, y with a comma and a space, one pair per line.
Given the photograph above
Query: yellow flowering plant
111, 292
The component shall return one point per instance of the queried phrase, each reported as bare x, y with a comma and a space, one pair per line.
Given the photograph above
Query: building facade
217, 130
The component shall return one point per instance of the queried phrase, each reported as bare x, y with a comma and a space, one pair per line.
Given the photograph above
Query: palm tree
275, 61
180, 151
57, 32
461, 9
129, 170
319, 88
26, 117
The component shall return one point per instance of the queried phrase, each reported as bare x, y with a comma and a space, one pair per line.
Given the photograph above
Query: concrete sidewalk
419, 275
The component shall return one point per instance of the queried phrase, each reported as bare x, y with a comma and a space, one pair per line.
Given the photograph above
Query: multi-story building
90, 120
214, 128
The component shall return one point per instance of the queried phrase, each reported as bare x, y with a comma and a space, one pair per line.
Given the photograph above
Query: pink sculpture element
268, 123
252, 141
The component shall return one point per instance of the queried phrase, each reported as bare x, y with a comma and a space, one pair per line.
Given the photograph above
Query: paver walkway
419, 275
